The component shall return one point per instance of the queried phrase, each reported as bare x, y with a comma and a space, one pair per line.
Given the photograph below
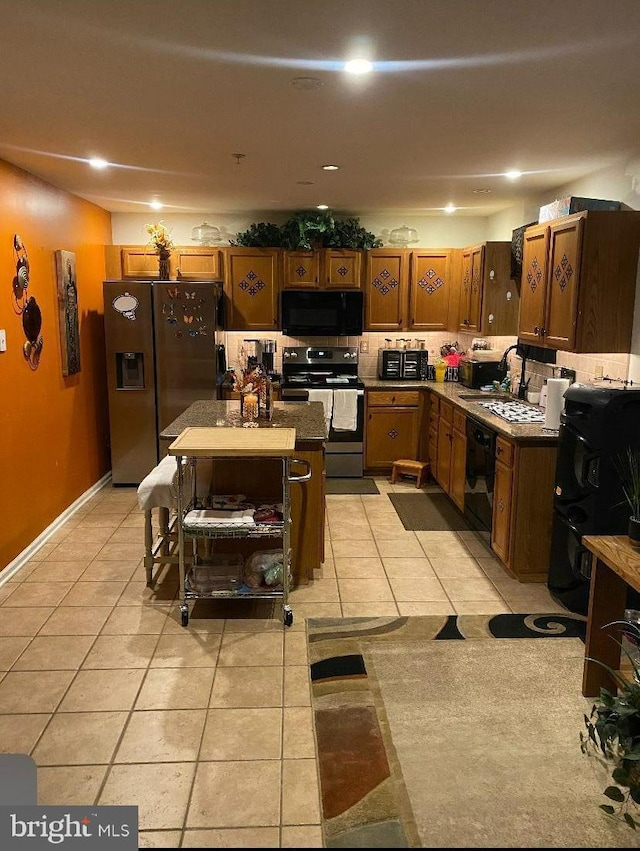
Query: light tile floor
208, 729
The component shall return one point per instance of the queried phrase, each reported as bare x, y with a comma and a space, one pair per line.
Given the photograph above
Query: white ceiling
462, 91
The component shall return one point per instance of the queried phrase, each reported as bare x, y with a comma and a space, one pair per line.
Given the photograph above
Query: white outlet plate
3, 340
364, 346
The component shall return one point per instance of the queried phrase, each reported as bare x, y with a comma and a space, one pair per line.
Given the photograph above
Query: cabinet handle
500, 505
536, 330
543, 332
498, 450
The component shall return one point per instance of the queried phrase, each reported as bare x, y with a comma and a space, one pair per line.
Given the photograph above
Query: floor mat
351, 486
415, 731
428, 512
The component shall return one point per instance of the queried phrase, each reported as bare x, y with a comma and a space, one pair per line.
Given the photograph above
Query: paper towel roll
556, 388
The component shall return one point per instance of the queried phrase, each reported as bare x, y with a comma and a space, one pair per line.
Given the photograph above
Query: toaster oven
403, 364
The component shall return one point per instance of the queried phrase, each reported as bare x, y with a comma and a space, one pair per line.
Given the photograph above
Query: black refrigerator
161, 354
598, 424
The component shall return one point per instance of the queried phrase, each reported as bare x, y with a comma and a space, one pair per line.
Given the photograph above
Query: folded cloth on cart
269, 513
345, 410
206, 516
159, 489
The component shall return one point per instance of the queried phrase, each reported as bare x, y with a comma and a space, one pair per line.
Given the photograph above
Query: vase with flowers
252, 386
160, 239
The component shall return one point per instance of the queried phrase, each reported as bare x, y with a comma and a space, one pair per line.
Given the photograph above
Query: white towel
159, 489
345, 410
204, 517
326, 397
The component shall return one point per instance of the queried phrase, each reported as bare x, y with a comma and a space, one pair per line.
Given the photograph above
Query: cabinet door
385, 290
458, 467
392, 434
465, 289
141, 263
252, 288
563, 281
476, 289
533, 288
301, 270
502, 504
343, 269
430, 286
196, 263
443, 465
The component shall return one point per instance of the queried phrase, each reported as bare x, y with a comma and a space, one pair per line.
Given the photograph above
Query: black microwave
336, 313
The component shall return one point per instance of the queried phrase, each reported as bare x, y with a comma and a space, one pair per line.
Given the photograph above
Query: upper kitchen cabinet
326, 268
386, 283
342, 268
579, 277
301, 270
489, 299
251, 286
199, 264
431, 289
140, 262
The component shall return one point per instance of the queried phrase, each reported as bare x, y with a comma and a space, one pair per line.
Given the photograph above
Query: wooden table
616, 568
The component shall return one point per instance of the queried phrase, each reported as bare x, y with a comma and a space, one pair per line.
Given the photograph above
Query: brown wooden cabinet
392, 427
579, 280
252, 286
342, 268
301, 270
451, 452
523, 507
386, 289
431, 290
489, 299
140, 262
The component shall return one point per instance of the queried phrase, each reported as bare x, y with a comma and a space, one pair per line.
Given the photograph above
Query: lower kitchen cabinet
392, 427
523, 507
451, 452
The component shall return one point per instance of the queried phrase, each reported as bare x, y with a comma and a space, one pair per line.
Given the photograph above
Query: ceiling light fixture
514, 174
323, 206
238, 157
97, 162
306, 84
450, 208
481, 191
358, 66
330, 167
156, 205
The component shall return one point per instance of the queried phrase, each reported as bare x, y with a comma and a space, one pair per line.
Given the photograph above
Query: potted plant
613, 734
628, 466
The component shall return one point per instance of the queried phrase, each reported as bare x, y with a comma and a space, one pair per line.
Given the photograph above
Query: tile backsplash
614, 366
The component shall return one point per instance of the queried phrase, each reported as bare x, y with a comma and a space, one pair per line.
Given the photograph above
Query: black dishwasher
479, 475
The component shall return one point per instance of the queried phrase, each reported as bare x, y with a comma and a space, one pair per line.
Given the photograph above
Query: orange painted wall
53, 430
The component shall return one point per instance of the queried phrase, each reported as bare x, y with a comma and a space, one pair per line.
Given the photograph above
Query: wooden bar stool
406, 467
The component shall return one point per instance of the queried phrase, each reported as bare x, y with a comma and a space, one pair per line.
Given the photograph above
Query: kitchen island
257, 477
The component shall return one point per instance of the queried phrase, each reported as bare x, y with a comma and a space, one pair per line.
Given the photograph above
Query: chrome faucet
523, 352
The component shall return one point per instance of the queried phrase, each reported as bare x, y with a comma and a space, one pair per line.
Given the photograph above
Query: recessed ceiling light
97, 162
481, 191
156, 205
358, 66
514, 174
306, 83
323, 206
450, 208
330, 167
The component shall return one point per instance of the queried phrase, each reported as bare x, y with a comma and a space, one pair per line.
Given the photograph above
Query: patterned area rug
431, 734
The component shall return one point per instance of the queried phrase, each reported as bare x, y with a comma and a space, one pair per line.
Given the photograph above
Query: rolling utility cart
215, 575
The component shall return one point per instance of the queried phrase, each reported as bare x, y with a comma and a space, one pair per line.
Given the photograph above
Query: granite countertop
451, 391
306, 417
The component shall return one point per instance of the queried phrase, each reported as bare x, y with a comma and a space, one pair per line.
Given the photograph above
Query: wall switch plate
364, 346
3, 340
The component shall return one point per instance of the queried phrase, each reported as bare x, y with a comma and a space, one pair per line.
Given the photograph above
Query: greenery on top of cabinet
306, 230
